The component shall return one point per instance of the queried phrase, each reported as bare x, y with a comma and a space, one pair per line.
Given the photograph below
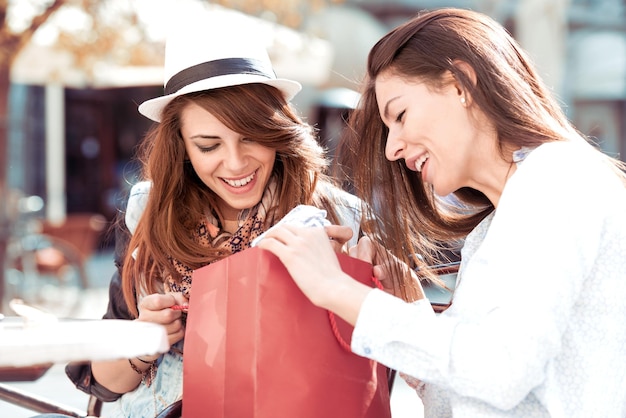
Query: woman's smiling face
428, 128
236, 168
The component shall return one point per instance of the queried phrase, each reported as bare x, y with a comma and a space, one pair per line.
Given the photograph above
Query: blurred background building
73, 124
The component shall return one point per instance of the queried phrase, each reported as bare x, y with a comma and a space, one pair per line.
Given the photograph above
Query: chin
245, 204
442, 191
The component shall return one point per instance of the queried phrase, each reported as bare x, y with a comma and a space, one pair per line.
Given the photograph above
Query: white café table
28, 343
29, 348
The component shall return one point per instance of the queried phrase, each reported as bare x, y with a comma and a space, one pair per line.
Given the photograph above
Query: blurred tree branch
290, 13
10, 46
11, 43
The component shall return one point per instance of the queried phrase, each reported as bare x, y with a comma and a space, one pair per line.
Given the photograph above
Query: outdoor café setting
312, 208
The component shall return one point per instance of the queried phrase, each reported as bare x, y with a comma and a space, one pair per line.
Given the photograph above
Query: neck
509, 172
230, 225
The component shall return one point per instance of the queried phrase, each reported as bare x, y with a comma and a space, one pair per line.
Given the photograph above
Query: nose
236, 159
394, 148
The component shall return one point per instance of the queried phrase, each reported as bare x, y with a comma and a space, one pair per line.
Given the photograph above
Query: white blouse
537, 325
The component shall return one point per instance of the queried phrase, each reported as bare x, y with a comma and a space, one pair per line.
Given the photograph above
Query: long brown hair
507, 90
179, 200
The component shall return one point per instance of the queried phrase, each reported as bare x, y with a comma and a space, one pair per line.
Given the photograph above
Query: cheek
266, 156
202, 164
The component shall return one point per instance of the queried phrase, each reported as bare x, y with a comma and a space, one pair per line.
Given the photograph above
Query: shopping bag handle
333, 322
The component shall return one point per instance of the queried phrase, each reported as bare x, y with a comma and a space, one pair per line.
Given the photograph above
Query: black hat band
210, 69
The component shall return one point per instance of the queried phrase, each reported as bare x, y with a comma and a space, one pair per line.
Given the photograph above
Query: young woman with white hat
228, 158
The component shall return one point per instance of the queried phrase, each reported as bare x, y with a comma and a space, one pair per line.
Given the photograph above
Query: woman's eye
400, 116
207, 149
247, 140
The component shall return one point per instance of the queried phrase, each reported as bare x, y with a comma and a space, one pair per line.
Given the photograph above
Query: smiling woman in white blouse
452, 105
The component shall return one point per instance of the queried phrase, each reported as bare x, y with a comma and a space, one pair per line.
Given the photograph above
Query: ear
470, 74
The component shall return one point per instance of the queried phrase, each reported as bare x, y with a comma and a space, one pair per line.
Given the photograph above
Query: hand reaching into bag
309, 256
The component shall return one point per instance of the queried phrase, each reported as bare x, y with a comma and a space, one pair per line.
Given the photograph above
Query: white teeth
240, 182
420, 162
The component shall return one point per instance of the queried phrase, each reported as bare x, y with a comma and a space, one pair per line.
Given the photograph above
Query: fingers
339, 235
181, 302
157, 302
407, 284
290, 235
386, 266
384, 275
156, 308
364, 250
279, 241
296, 244
287, 241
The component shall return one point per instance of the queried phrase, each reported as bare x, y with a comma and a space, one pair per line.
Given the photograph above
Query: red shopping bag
256, 347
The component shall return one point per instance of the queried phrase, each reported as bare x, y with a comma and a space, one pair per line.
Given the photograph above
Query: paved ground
55, 385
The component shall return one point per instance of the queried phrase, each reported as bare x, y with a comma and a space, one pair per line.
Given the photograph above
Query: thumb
179, 299
383, 275
364, 250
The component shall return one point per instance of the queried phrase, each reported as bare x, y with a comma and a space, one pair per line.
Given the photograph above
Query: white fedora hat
210, 55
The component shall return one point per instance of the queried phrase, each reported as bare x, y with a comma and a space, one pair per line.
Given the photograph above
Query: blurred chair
72, 243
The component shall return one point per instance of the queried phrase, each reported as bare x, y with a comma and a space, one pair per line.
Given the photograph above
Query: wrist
147, 359
346, 298
139, 367
146, 371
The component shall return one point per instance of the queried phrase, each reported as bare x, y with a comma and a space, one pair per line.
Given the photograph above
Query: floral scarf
208, 233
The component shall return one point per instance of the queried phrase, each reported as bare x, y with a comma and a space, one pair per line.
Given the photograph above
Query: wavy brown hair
179, 200
507, 89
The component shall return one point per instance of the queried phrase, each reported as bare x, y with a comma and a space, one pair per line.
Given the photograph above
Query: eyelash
400, 115
213, 147
207, 149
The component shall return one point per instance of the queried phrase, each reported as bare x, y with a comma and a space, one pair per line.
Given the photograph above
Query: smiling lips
419, 163
239, 182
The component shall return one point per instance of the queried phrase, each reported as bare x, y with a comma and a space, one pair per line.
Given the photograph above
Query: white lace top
537, 326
